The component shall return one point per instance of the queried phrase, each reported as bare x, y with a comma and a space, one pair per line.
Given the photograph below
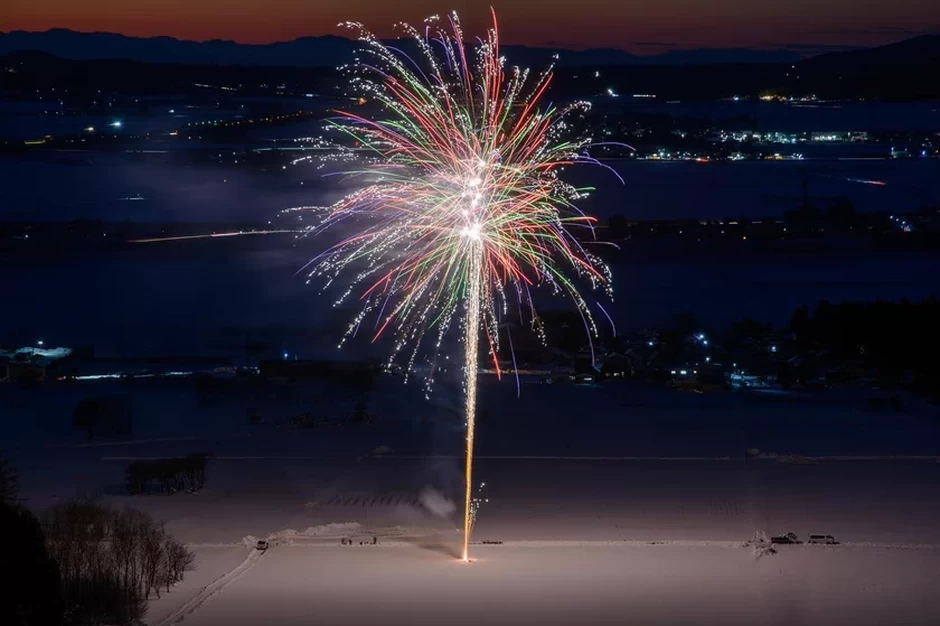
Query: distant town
883, 346
269, 120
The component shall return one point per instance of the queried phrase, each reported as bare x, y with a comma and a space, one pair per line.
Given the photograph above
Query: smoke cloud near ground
436, 503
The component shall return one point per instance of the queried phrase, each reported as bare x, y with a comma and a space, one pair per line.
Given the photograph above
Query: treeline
894, 337
167, 475
30, 592
81, 563
110, 561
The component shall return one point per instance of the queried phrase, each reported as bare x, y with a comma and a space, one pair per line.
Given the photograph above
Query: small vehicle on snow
825, 539
262, 544
788, 538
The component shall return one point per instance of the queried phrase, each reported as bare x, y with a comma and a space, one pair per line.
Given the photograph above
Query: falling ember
462, 215
475, 505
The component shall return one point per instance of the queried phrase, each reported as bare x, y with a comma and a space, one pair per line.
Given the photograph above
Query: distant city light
90, 129
40, 343
773, 348
683, 372
116, 124
708, 359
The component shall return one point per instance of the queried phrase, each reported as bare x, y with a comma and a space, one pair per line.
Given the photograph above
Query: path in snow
212, 589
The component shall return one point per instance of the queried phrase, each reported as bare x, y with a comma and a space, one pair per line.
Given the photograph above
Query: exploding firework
462, 213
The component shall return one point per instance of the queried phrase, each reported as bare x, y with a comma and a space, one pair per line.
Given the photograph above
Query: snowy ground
601, 584
214, 565
614, 503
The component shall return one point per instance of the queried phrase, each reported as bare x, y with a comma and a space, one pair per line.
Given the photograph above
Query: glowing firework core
472, 231
464, 213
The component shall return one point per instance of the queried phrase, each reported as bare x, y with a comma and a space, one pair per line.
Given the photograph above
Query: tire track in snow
212, 589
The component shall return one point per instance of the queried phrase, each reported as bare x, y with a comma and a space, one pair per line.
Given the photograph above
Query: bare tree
178, 561
111, 560
153, 555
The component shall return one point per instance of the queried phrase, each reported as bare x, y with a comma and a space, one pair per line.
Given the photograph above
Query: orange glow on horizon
640, 26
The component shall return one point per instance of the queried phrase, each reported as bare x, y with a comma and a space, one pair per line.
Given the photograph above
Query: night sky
641, 26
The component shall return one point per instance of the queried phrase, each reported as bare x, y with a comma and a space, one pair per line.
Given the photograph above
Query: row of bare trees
167, 475
111, 560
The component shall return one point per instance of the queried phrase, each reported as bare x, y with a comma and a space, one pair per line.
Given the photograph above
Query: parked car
262, 544
787, 538
826, 539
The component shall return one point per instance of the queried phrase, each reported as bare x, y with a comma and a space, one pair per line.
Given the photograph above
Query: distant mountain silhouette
903, 70
601, 57
331, 50
69, 44
706, 56
921, 51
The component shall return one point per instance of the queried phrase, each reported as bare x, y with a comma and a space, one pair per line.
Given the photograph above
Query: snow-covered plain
654, 584
613, 503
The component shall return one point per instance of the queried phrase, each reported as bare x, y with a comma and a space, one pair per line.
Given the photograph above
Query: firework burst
462, 214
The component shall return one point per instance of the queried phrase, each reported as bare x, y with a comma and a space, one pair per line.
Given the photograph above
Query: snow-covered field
614, 504
585, 584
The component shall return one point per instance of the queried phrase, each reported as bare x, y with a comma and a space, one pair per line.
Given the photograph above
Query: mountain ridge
329, 50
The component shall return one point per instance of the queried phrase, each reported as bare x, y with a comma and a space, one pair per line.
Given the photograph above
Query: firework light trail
462, 213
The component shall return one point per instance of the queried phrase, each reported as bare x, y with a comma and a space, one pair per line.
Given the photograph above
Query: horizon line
807, 49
